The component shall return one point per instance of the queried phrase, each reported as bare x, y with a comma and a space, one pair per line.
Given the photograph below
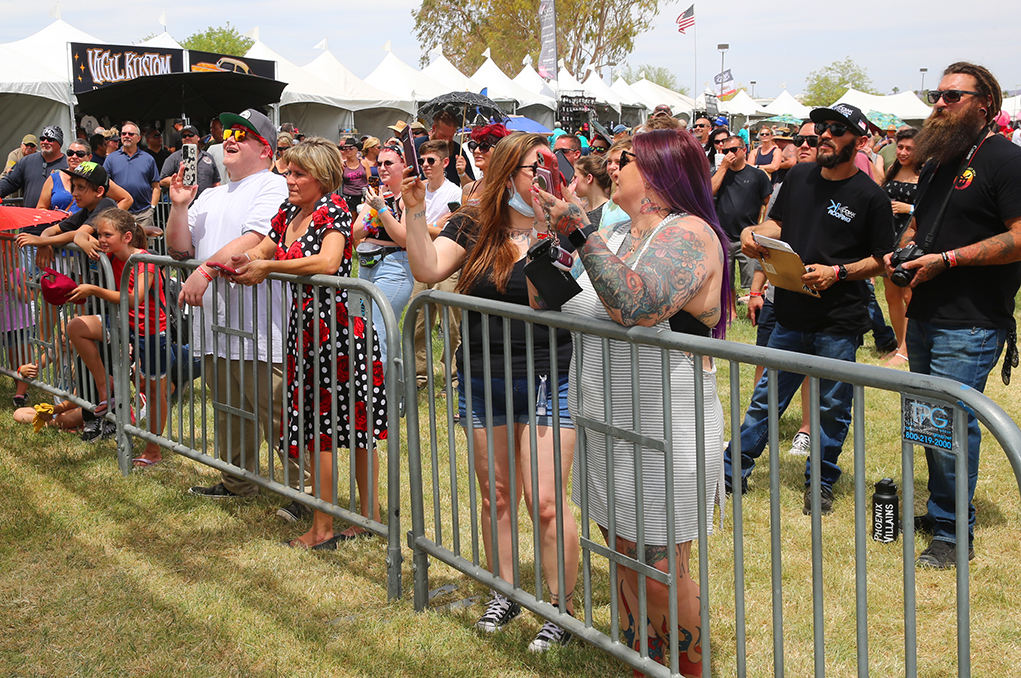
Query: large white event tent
787, 104
1012, 105
441, 70
533, 82
35, 83
403, 81
905, 105
534, 105
373, 108
569, 83
743, 105
164, 40
651, 93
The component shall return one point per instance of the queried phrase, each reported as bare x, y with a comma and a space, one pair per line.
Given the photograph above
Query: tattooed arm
432, 261
1004, 248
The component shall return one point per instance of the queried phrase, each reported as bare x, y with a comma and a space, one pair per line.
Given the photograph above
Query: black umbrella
461, 104
195, 95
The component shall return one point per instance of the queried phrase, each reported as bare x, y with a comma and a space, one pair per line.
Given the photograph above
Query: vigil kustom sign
97, 65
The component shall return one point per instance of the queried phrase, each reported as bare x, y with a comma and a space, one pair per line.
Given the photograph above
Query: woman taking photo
312, 235
668, 271
592, 183
768, 156
481, 143
356, 177
379, 231
901, 184
487, 243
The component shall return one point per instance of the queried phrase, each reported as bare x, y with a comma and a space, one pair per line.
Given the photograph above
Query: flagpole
694, 62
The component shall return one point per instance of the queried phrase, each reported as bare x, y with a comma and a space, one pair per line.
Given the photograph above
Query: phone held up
411, 153
190, 160
547, 174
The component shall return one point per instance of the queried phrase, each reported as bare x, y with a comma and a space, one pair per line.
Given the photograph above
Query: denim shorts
151, 354
521, 398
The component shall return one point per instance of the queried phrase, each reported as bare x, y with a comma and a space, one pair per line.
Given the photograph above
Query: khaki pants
421, 346
255, 387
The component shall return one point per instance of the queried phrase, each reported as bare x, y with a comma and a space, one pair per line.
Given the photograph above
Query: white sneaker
801, 445
499, 612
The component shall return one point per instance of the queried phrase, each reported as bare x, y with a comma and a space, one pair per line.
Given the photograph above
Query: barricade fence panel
245, 386
39, 337
646, 477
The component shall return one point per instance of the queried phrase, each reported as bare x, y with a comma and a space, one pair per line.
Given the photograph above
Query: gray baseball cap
253, 120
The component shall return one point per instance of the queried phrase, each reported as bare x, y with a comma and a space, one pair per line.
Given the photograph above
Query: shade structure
905, 105
358, 95
501, 88
520, 123
403, 81
195, 95
13, 218
787, 104
441, 70
530, 80
654, 94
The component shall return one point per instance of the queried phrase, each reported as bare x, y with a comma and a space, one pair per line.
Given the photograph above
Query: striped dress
587, 394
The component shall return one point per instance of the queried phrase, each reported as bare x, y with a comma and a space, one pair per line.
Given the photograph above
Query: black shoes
98, 429
217, 491
941, 555
294, 512
825, 501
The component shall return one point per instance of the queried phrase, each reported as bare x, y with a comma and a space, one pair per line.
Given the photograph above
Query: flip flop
142, 462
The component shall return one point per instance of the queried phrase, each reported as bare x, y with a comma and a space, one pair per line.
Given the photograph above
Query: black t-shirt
461, 230
159, 156
831, 222
988, 196
83, 216
740, 198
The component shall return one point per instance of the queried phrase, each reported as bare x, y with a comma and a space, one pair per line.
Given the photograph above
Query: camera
902, 277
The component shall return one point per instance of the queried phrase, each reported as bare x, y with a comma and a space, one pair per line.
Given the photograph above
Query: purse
555, 285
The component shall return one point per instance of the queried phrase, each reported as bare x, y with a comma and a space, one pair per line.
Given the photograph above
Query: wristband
205, 275
755, 294
946, 260
836, 272
579, 235
952, 257
911, 209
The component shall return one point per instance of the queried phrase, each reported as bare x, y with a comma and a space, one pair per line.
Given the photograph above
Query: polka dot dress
319, 402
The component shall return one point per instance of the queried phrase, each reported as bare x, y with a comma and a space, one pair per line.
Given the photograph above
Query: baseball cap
30, 139
57, 287
846, 113
190, 128
619, 128
92, 172
721, 121
253, 120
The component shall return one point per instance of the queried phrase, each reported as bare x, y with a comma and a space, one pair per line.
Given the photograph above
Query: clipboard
784, 267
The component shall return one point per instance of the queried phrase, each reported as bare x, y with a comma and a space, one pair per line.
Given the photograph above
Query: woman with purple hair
668, 271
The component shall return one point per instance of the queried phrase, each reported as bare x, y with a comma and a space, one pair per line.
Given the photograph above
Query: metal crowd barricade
201, 415
35, 332
435, 465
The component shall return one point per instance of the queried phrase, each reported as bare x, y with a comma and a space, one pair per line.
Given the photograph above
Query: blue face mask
520, 205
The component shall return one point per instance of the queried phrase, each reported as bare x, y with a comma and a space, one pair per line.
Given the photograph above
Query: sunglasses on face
430, 161
78, 154
30, 145
763, 135
130, 134
388, 163
241, 133
189, 135
481, 146
719, 141
733, 149
625, 158
52, 141
811, 139
836, 129
950, 96
698, 125
598, 149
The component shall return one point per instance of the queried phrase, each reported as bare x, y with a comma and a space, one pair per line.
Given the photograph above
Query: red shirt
155, 282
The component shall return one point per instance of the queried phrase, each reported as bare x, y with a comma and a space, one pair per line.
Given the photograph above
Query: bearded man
962, 307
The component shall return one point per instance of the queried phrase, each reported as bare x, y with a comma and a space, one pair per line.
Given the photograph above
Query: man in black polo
32, 171
841, 224
962, 305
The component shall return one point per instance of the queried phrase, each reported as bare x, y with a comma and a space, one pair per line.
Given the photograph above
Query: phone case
190, 160
554, 285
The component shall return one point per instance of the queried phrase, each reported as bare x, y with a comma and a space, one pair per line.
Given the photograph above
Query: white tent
603, 95
314, 106
536, 106
533, 82
743, 105
785, 103
651, 92
441, 70
163, 40
1012, 105
395, 76
905, 105
628, 95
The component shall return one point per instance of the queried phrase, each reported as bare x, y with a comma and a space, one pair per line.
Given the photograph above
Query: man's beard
947, 136
831, 160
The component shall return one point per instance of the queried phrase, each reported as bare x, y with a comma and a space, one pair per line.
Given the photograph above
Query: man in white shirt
244, 373
440, 196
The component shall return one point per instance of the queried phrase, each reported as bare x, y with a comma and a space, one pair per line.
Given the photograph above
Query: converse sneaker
499, 613
801, 445
93, 429
217, 491
549, 636
294, 512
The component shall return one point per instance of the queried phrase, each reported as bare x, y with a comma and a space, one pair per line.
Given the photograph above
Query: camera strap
946, 200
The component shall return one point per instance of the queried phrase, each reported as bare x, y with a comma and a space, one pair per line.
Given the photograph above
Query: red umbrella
12, 218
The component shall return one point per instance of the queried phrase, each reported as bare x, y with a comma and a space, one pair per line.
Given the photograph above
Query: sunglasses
625, 158
52, 141
950, 96
811, 139
598, 149
765, 134
241, 133
698, 126
388, 163
130, 134
78, 154
719, 141
189, 135
836, 129
482, 146
430, 161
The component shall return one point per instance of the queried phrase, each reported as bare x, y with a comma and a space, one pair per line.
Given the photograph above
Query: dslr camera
902, 277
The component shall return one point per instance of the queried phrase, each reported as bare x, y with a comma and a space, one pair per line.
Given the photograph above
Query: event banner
97, 65
724, 83
210, 61
548, 53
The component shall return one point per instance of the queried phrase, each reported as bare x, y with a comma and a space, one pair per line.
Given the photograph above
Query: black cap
92, 172
847, 113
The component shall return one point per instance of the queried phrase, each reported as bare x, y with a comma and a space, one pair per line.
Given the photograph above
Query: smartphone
547, 173
190, 160
410, 153
226, 270
374, 183
566, 168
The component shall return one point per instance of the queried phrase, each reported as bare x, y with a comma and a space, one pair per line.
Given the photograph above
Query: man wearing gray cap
244, 374
32, 171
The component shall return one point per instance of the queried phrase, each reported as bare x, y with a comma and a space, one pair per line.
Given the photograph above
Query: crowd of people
662, 226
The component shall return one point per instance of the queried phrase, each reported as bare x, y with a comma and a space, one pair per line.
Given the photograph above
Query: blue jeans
882, 334
393, 276
967, 355
834, 402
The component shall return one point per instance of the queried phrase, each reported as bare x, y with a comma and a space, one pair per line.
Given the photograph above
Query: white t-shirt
436, 202
1016, 136
217, 217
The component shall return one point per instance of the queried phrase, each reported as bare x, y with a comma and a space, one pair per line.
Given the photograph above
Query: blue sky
775, 48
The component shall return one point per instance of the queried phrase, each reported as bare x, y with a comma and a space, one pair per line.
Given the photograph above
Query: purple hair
675, 166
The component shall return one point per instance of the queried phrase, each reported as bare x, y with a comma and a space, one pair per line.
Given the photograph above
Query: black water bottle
884, 512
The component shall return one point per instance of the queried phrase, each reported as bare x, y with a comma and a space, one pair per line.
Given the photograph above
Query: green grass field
102, 575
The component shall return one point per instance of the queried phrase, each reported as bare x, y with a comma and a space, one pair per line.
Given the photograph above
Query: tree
660, 75
222, 40
590, 33
826, 85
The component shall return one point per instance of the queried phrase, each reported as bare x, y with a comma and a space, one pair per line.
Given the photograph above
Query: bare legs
897, 299
362, 482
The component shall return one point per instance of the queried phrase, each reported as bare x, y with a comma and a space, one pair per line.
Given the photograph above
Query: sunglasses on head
950, 96
78, 154
811, 139
241, 133
482, 146
625, 158
836, 129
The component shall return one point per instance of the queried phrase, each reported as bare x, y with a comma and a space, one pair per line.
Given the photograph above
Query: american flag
686, 20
